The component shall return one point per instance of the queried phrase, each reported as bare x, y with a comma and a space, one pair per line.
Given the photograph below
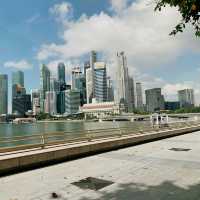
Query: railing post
43, 141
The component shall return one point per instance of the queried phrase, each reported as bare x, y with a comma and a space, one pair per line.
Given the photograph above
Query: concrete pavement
168, 169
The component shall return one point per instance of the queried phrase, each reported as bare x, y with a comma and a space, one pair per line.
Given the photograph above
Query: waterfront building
44, 84
35, 98
17, 84
139, 97
89, 85
101, 110
186, 98
110, 90
72, 101
86, 66
79, 83
3, 94
90, 76
131, 101
54, 85
100, 82
18, 78
51, 102
61, 102
154, 100
172, 105
21, 104
61, 76
123, 86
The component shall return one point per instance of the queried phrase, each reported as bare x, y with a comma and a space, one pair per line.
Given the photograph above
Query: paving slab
149, 171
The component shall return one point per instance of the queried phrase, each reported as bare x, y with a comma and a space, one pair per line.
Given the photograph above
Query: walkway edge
26, 160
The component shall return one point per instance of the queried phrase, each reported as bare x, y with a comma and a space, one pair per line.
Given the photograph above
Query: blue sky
34, 32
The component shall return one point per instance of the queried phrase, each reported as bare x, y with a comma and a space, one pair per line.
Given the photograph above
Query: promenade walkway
167, 169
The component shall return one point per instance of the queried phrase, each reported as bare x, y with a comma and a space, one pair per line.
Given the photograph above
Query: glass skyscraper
44, 85
18, 78
3, 94
61, 76
100, 82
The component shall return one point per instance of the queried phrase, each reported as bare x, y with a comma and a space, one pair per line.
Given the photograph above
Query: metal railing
17, 143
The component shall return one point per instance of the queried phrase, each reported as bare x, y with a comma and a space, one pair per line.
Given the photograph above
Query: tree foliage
189, 10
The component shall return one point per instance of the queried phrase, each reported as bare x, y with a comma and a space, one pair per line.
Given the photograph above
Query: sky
33, 32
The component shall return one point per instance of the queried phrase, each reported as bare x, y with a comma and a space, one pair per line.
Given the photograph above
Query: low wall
18, 161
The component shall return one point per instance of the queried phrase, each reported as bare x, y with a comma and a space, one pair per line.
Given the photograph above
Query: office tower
131, 101
93, 58
122, 82
21, 104
154, 100
17, 90
44, 85
54, 85
17, 85
86, 66
3, 94
90, 76
100, 82
18, 78
72, 101
110, 90
61, 102
79, 83
61, 76
89, 85
76, 72
35, 98
51, 103
186, 98
139, 97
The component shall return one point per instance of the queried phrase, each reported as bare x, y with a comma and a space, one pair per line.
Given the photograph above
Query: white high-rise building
90, 77
186, 98
124, 83
51, 103
139, 97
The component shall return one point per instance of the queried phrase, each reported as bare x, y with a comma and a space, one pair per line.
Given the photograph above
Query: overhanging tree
189, 10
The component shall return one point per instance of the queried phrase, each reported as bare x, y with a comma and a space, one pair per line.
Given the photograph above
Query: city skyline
46, 32
54, 93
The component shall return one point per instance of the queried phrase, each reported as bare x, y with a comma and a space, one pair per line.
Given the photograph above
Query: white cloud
22, 64
134, 28
139, 31
62, 11
118, 5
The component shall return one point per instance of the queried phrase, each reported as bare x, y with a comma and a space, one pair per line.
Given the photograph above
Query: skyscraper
61, 76
131, 101
18, 78
100, 82
90, 76
186, 98
79, 83
123, 82
51, 102
139, 97
110, 90
21, 104
154, 100
35, 98
44, 85
3, 94
72, 101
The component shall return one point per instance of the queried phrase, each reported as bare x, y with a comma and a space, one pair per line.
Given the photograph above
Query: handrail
47, 139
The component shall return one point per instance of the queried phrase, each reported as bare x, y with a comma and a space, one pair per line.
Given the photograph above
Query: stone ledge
40, 157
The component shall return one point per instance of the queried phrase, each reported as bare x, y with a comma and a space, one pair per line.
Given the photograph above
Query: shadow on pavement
165, 191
